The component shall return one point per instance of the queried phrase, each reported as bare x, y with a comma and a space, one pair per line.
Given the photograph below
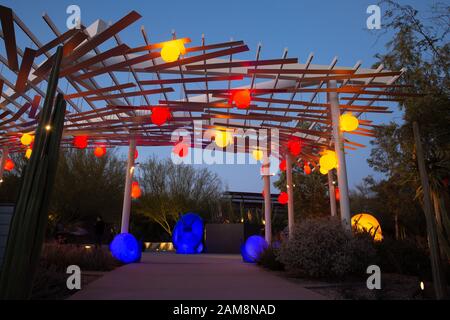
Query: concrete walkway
168, 276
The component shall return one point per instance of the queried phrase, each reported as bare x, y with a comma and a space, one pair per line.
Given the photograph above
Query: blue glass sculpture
125, 248
187, 235
253, 247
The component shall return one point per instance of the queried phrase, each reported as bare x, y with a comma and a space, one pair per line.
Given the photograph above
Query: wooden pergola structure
300, 100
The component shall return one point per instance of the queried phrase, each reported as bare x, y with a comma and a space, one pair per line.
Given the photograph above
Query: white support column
5, 153
290, 192
267, 202
344, 202
128, 181
332, 190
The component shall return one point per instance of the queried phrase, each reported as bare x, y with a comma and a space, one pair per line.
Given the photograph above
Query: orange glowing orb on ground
80, 142
307, 169
9, 165
242, 99
364, 222
99, 152
160, 115
135, 190
283, 198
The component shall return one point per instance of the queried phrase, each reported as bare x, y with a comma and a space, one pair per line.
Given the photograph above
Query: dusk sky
325, 28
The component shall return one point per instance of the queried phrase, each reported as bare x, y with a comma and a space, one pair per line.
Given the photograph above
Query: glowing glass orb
307, 169
9, 165
348, 122
242, 99
99, 152
80, 142
125, 248
283, 165
364, 222
28, 153
323, 171
181, 149
222, 138
170, 51
257, 154
252, 249
337, 193
26, 139
136, 154
283, 198
328, 160
160, 115
187, 234
135, 190
294, 147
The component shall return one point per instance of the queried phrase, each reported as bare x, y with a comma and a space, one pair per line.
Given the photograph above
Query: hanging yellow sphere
348, 122
171, 51
222, 138
28, 153
323, 170
364, 222
26, 139
257, 154
328, 161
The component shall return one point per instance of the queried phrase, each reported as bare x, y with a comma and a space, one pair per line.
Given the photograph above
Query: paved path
168, 276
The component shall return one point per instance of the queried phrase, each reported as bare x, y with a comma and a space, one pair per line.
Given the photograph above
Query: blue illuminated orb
125, 248
187, 235
252, 248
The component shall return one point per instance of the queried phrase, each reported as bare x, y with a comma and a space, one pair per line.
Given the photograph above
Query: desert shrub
321, 248
269, 259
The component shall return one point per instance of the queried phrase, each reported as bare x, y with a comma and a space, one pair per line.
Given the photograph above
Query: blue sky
326, 28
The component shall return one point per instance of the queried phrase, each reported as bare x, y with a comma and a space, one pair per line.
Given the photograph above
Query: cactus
29, 221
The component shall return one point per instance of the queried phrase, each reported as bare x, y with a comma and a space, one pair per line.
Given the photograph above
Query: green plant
321, 248
269, 259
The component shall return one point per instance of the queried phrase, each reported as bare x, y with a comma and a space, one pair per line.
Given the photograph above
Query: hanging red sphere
283, 198
9, 165
136, 154
306, 169
135, 190
160, 115
242, 99
80, 142
283, 165
181, 149
99, 152
294, 147
337, 193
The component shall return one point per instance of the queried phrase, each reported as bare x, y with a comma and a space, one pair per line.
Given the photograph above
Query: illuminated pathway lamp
187, 235
348, 122
125, 248
252, 249
364, 222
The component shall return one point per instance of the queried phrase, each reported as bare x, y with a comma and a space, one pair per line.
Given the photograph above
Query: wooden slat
17, 115
130, 94
189, 80
34, 106
302, 71
9, 35
222, 91
53, 43
248, 63
99, 91
25, 68
352, 76
154, 46
215, 46
116, 51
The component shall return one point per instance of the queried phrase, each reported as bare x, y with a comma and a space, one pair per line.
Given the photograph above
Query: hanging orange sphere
242, 99
337, 193
160, 115
26, 139
181, 149
9, 165
283, 165
307, 169
283, 198
99, 152
136, 154
80, 142
348, 122
28, 153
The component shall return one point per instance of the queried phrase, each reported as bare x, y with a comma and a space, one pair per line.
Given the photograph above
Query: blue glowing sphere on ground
125, 248
187, 235
252, 249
